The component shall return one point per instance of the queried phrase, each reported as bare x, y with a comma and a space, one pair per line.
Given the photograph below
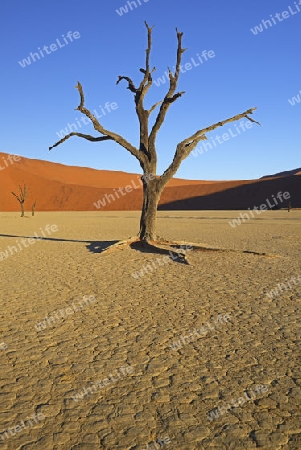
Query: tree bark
22, 209
151, 197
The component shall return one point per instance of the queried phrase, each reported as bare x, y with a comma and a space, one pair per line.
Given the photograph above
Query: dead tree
33, 208
21, 197
146, 154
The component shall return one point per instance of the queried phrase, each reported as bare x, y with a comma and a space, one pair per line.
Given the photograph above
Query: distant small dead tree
21, 197
33, 207
146, 152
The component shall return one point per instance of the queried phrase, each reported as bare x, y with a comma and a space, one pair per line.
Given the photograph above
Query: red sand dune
57, 187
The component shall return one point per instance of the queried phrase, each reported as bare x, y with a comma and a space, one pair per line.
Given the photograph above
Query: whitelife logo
53, 48
205, 146
51, 320
188, 66
220, 410
295, 100
221, 319
120, 373
9, 160
287, 285
124, 9
129, 188
109, 106
19, 427
280, 17
27, 242
263, 207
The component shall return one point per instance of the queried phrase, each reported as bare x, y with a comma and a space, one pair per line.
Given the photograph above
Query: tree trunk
22, 209
151, 197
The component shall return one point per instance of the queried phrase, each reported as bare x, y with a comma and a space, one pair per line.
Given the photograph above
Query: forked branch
106, 133
140, 92
147, 79
22, 194
200, 133
170, 97
185, 147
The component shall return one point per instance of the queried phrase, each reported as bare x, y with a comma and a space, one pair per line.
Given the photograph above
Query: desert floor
123, 338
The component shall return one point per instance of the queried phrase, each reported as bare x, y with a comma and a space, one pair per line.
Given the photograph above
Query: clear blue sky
248, 70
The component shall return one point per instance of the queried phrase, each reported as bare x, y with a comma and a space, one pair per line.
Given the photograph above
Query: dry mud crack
250, 338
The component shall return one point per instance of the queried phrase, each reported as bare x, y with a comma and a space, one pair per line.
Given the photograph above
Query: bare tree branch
170, 96
131, 85
17, 197
175, 97
143, 115
149, 46
220, 124
154, 107
185, 147
81, 93
23, 194
81, 135
147, 80
252, 120
107, 134
140, 93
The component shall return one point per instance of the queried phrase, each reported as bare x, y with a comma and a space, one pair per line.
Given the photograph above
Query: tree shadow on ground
93, 246
176, 251
99, 246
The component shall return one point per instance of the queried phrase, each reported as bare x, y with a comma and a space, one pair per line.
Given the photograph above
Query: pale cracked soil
169, 393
